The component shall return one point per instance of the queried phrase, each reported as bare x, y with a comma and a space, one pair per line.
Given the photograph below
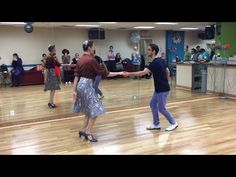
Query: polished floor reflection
206, 126
30, 102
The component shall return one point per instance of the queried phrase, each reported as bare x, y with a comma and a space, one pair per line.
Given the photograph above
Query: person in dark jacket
66, 69
18, 71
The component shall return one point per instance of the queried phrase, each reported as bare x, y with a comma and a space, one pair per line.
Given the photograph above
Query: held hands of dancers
124, 73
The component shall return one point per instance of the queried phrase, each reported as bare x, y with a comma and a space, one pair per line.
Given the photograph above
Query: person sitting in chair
119, 66
18, 71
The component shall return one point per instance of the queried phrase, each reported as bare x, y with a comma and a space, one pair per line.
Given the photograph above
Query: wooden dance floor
206, 126
206, 123
29, 103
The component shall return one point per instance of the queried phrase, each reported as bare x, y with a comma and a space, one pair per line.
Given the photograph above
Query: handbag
16, 72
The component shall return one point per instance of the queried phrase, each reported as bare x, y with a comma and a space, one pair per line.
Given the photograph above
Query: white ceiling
123, 25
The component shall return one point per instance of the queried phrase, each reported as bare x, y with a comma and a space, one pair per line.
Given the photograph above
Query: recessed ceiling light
12, 23
87, 25
144, 27
189, 28
166, 23
108, 22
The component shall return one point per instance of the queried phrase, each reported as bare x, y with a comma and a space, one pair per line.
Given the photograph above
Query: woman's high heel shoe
91, 138
51, 105
82, 134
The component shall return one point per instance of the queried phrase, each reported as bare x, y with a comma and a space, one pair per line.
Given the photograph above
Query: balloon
227, 46
28, 28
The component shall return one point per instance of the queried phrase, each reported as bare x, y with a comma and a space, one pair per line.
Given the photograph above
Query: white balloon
135, 37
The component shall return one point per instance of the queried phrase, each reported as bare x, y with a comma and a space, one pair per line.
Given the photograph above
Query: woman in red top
86, 100
52, 74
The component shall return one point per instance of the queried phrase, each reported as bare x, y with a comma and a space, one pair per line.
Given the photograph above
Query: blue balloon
28, 28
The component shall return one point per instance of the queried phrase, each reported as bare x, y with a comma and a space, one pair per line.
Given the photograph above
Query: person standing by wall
186, 54
111, 59
193, 56
198, 51
66, 69
213, 51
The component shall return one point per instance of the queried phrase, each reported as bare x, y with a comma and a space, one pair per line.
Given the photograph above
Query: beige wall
118, 39
192, 40
159, 37
31, 46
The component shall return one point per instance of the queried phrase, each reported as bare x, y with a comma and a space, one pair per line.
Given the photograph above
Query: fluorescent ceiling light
189, 28
166, 23
12, 23
144, 27
108, 22
87, 25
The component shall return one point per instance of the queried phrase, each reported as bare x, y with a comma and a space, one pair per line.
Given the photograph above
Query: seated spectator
18, 71
119, 66
126, 62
